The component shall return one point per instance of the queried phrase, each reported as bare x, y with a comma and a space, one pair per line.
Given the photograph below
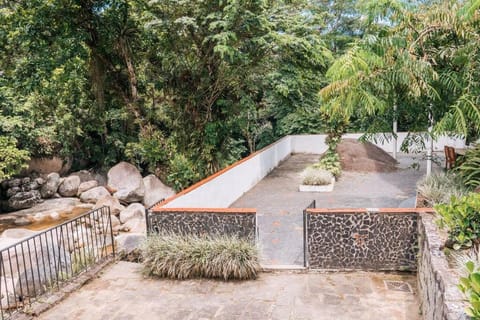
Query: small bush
12, 160
470, 286
331, 163
440, 187
316, 177
462, 219
150, 150
184, 257
182, 172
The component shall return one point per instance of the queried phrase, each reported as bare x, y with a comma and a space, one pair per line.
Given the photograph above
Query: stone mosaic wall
342, 239
437, 284
241, 224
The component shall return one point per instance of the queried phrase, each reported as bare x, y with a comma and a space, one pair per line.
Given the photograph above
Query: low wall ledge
369, 210
205, 210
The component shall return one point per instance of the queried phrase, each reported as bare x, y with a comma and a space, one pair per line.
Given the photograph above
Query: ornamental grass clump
316, 177
190, 256
440, 187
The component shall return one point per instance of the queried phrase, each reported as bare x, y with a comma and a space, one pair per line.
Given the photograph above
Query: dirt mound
364, 157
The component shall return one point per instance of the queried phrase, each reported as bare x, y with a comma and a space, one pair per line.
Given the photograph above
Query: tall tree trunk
126, 55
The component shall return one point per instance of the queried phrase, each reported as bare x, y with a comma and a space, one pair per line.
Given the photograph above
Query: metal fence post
147, 221
312, 205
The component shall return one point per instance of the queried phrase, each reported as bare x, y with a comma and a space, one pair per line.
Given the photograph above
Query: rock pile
124, 191
21, 193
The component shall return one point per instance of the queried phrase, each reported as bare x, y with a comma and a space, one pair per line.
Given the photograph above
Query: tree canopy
184, 88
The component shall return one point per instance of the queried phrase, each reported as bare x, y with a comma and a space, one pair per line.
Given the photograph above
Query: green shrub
182, 172
470, 286
150, 150
183, 257
12, 160
316, 177
470, 168
440, 187
331, 163
462, 219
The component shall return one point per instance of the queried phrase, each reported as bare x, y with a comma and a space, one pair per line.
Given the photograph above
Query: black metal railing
312, 205
148, 216
47, 260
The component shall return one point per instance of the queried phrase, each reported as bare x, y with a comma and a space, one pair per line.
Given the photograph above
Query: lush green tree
68, 78
208, 61
198, 84
301, 59
230, 72
422, 62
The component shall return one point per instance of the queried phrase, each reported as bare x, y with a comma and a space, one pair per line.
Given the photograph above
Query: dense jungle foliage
183, 88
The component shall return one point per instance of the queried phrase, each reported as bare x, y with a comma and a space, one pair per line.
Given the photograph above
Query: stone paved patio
121, 292
280, 205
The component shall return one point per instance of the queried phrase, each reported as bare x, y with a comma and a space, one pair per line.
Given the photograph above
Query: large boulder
14, 183
111, 202
94, 194
69, 186
12, 191
33, 185
18, 233
87, 185
136, 225
129, 243
89, 175
127, 181
115, 221
135, 210
59, 205
155, 190
23, 200
48, 165
50, 187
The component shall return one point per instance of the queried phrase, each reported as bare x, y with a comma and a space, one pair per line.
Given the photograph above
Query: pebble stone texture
362, 240
242, 224
437, 283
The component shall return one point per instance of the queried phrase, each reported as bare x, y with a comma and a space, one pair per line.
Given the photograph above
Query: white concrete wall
309, 143
223, 190
439, 143
315, 143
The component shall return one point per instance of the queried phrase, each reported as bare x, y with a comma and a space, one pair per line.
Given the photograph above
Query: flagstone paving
121, 292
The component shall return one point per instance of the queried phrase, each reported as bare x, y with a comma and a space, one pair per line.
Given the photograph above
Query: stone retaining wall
239, 222
437, 283
361, 239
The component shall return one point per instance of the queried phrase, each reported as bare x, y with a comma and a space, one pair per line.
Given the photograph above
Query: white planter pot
309, 188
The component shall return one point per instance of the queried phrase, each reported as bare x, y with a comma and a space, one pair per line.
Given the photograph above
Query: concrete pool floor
280, 205
121, 292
